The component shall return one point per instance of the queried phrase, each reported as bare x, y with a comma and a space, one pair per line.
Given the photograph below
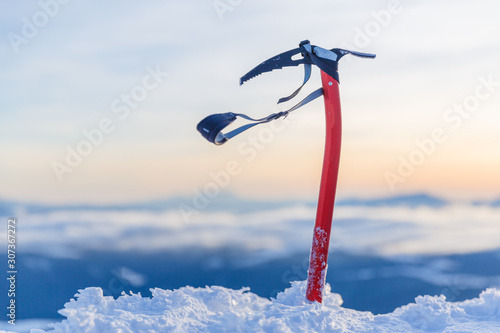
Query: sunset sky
136, 78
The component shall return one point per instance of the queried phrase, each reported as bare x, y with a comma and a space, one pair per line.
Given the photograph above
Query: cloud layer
265, 234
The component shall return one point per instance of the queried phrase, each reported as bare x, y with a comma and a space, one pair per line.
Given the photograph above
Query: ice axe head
326, 60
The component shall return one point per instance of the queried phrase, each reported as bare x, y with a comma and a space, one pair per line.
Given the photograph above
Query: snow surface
218, 309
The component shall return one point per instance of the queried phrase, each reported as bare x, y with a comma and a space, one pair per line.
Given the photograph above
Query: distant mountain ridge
412, 200
232, 203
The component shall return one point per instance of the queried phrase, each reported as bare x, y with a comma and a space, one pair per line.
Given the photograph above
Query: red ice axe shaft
318, 261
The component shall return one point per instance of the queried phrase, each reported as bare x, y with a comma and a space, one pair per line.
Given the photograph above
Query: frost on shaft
318, 261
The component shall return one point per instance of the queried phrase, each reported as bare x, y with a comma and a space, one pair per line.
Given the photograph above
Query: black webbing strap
211, 127
307, 76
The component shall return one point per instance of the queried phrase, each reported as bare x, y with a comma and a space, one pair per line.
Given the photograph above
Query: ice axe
327, 60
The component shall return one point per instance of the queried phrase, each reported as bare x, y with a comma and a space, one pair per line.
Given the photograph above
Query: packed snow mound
218, 309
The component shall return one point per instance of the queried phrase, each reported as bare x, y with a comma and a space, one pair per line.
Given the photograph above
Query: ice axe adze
327, 60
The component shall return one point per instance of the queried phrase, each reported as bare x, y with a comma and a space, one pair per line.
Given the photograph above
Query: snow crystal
218, 309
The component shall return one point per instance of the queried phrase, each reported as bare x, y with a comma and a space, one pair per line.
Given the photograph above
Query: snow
218, 309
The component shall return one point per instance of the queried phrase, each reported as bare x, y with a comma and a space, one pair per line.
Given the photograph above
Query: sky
122, 84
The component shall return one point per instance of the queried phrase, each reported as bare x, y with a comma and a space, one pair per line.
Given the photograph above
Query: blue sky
72, 72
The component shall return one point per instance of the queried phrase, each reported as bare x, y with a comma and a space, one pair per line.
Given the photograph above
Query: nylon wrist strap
211, 127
